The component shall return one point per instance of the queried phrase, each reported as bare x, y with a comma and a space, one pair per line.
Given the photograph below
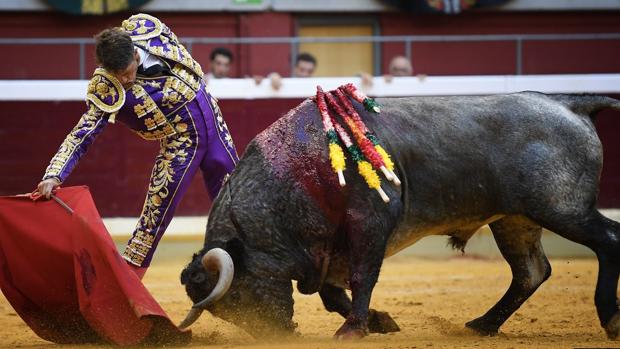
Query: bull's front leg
366, 250
335, 299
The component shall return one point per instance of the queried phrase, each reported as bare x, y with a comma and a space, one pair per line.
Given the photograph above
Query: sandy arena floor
430, 300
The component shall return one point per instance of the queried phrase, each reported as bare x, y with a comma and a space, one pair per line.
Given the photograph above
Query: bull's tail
586, 104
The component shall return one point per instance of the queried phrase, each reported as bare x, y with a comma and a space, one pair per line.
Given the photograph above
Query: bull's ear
185, 276
236, 250
194, 271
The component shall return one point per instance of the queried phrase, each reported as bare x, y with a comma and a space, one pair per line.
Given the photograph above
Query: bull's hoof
350, 335
613, 327
381, 322
348, 332
481, 328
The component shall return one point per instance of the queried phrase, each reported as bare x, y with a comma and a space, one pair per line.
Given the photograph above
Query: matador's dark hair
114, 49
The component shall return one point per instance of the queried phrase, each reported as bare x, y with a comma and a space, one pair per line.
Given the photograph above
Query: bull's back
463, 160
469, 160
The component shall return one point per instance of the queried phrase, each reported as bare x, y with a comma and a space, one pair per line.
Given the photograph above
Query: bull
518, 162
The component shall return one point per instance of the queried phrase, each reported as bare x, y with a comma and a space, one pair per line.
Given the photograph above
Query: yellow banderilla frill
336, 155
372, 179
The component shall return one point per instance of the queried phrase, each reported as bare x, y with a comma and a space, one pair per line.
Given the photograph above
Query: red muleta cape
63, 275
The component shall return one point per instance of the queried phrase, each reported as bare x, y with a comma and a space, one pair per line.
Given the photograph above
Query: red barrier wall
118, 165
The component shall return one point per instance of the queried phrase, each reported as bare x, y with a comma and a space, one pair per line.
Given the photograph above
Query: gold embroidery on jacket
175, 94
86, 125
137, 28
143, 82
147, 106
103, 85
187, 76
173, 51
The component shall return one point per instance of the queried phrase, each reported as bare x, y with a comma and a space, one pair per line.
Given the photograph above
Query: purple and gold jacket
149, 107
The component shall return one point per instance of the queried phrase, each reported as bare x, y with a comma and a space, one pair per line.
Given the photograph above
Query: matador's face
127, 76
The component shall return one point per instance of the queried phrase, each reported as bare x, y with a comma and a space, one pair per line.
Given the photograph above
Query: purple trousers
202, 142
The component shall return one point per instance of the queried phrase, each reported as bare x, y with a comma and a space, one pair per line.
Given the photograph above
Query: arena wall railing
75, 90
294, 42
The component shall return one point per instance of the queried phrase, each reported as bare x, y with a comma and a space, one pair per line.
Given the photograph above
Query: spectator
305, 64
399, 66
221, 58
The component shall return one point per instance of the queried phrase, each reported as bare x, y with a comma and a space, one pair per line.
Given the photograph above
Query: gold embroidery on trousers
221, 124
173, 153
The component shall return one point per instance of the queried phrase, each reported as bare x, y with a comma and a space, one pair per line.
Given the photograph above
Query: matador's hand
46, 187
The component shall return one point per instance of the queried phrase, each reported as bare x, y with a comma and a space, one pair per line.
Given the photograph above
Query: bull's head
217, 261
240, 275
218, 280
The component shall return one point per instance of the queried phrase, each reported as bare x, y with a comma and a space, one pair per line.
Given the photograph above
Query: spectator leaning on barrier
399, 66
305, 64
148, 81
221, 59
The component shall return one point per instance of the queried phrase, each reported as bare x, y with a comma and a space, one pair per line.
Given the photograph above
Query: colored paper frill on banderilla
63, 275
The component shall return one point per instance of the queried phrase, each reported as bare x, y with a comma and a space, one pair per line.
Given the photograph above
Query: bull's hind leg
518, 239
602, 235
335, 299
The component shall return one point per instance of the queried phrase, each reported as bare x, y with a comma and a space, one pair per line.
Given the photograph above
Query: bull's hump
293, 140
285, 129
295, 151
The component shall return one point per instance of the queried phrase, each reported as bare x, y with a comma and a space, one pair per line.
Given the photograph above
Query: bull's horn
216, 259
220, 260
193, 315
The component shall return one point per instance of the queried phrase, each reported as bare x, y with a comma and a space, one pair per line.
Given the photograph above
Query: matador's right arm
105, 96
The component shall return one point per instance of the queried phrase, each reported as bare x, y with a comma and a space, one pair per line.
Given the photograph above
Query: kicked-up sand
430, 299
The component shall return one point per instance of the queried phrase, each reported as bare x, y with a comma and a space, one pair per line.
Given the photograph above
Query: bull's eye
198, 277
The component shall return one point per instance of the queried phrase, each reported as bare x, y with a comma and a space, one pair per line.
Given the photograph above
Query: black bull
519, 162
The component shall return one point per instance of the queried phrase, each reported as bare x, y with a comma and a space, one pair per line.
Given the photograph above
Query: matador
148, 81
